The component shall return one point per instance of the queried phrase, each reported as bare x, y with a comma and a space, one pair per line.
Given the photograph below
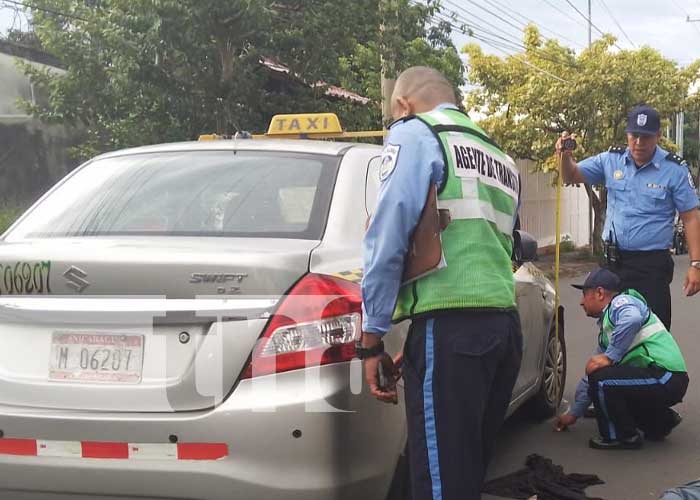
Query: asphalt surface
628, 475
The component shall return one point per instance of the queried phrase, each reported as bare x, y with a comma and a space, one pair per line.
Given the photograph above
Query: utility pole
387, 31
590, 201
680, 124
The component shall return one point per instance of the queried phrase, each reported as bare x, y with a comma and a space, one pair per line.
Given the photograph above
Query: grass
9, 212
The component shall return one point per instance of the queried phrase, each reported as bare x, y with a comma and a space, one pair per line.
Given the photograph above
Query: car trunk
146, 324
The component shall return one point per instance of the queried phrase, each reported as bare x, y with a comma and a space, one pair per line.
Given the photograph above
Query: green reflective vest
652, 345
481, 188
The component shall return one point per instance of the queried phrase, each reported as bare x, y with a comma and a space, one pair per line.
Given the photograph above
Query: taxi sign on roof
306, 123
301, 126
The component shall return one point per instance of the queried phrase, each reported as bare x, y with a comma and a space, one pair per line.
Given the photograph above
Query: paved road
629, 475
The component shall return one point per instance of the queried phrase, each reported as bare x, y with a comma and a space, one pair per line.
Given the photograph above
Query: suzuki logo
75, 279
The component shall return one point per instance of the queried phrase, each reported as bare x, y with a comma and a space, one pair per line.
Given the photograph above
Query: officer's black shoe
590, 412
676, 419
632, 443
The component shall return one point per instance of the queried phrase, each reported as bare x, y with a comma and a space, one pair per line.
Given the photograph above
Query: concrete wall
538, 207
33, 156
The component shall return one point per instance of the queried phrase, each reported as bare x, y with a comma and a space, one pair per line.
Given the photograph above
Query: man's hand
559, 146
597, 362
564, 422
691, 224
691, 285
387, 391
569, 169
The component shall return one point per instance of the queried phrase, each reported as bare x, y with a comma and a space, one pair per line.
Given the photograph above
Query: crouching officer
462, 354
646, 186
638, 371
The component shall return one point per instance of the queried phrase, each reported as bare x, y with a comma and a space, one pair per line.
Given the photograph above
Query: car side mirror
524, 247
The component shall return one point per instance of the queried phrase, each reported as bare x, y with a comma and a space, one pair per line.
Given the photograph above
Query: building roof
29, 53
331, 90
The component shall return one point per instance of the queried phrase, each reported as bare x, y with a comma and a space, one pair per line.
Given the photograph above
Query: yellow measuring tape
557, 244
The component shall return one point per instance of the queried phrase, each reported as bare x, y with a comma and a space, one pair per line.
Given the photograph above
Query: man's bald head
420, 89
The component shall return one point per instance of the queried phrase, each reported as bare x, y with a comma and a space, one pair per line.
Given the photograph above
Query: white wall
14, 86
538, 207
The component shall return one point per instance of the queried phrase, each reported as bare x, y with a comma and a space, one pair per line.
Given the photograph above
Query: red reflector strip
18, 447
96, 449
113, 450
201, 451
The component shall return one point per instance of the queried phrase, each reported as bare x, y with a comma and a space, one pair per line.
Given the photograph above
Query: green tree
529, 99
146, 71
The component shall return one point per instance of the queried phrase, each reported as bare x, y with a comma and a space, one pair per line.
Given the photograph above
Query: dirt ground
575, 263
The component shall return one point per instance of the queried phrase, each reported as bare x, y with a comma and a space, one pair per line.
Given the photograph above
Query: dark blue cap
643, 120
602, 278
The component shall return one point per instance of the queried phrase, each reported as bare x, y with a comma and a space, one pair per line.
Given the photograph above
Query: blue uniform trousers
628, 398
459, 369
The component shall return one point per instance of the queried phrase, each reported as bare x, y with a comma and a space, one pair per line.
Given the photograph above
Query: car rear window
203, 193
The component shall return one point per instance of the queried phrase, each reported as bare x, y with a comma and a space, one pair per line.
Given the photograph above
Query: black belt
644, 253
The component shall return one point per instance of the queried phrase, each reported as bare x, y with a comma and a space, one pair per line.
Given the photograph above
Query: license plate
88, 357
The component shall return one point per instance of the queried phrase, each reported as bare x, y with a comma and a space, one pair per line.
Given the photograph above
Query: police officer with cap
646, 185
637, 373
462, 353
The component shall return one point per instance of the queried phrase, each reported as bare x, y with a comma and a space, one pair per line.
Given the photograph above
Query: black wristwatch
368, 352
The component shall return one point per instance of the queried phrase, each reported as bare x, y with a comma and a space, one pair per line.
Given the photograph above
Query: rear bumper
321, 441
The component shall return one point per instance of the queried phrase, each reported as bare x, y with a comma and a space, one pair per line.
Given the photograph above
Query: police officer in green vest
637, 373
464, 345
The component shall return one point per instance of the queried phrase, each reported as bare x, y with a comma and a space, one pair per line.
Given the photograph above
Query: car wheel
400, 488
544, 404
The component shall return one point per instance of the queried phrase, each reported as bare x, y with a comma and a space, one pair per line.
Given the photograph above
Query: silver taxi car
177, 321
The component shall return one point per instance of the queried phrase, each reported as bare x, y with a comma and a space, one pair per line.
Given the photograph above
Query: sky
660, 24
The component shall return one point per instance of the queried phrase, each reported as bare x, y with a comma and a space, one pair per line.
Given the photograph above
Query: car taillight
317, 323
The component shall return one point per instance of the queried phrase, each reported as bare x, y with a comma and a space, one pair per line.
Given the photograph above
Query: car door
530, 302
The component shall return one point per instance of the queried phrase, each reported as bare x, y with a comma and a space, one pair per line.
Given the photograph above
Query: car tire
546, 401
400, 488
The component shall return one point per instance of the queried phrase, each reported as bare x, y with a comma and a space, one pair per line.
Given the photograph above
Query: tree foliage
529, 99
146, 71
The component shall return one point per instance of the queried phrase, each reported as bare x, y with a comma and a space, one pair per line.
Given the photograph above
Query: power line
507, 9
478, 18
473, 27
516, 44
612, 16
43, 9
589, 21
686, 14
562, 12
496, 15
495, 45
585, 17
453, 16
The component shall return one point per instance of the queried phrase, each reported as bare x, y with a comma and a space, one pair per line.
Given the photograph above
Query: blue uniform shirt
411, 162
628, 314
642, 202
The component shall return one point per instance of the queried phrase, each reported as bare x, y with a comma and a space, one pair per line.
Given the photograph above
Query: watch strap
369, 352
